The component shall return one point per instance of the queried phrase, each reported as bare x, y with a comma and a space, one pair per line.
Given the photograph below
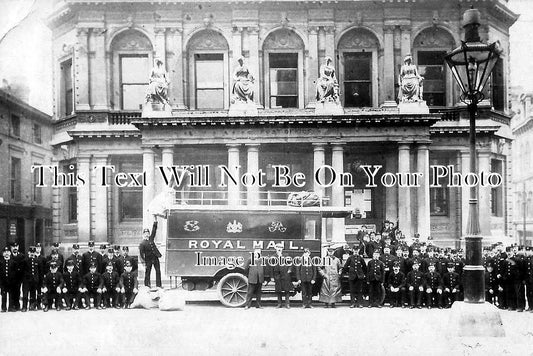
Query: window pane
439, 196
284, 102
431, 72
209, 74
283, 60
431, 58
434, 99
133, 96
15, 179
210, 99
135, 69
498, 86
283, 82
131, 204
357, 66
357, 94
15, 125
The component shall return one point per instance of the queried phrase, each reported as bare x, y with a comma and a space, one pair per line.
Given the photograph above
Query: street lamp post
471, 64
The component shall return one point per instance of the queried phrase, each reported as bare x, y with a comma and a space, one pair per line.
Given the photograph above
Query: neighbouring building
25, 141
103, 52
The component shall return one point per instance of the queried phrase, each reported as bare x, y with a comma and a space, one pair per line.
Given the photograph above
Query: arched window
131, 63
358, 74
208, 70
283, 69
430, 47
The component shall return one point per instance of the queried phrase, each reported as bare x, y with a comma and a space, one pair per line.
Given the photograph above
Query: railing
123, 117
221, 197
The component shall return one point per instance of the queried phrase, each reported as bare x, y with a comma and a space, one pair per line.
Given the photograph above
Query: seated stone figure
410, 82
242, 83
327, 87
157, 91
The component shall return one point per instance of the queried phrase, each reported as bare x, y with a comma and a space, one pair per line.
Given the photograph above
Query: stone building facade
103, 52
25, 209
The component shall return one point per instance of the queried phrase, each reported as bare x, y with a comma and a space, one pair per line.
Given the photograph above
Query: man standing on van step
149, 254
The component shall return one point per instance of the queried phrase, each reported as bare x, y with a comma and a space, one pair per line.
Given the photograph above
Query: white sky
25, 54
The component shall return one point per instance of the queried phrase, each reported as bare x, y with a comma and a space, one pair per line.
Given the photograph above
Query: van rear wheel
232, 290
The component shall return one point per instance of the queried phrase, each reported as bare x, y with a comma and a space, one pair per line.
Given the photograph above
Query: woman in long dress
242, 83
410, 81
158, 85
330, 292
327, 86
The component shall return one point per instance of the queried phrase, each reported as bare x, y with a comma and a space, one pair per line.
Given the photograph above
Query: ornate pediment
208, 40
132, 40
358, 38
283, 39
434, 37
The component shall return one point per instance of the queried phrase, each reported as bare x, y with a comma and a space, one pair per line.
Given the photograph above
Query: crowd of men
108, 279
382, 268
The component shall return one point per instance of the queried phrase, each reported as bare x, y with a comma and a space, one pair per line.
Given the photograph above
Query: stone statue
410, 82
327, 87
157, 91
243, 82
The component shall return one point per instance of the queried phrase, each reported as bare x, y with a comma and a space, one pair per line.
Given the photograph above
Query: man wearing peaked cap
126, 257
110, 286
415, 285
31, 282
18, 260
7, 280
52, 287
118, 260
149, 254
396, 286
128, 285
76, 258
90, 257
91, 287
451, 284
71, 286
109, 257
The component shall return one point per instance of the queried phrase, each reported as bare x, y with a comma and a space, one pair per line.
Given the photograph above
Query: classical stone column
101, 199
391, 193
252, 196
388, 59
253, 47
405, 40
422, 192
312, 67
330, 42
149, 188
175, 66
465, 191
337, 192
84, 199
237, 44
81, 69
233, 161
485, 211
159, 44
99, 72
404, 193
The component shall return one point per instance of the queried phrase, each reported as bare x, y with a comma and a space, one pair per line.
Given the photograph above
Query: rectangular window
67, 91
15, 125
37, 191
496, 193
283, 69
209, 71
498, 87
134, 71
72, 195
439, 196
431, 67
15, 179
358, 79
130, 198
37, 138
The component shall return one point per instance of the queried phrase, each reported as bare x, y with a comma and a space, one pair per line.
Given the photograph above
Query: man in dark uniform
126, 257
355, 266
388, 260
452, 285
52, 286
76, 258
72, 285
396, 287
306, 275
117, 260
511, 277
491, 282
32, 281
433, 287
282, 275
376, 277
528, 277
109, 258
61, 263
110, 287
19, 262
90, 257
149, 254
103, 250
7, 280
415, 285
54, 257
42, 263
441, 265
501, 264
256, 276
91, 287
128, 285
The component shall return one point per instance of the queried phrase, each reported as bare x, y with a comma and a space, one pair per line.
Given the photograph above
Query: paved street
208, 328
